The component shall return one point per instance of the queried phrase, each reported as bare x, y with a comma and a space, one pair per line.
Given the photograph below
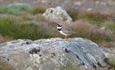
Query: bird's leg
65, 37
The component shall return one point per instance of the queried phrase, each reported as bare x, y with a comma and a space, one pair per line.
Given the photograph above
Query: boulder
52, 54
58, 15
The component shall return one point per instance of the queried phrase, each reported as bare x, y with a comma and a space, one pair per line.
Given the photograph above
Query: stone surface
57, 14
52, 54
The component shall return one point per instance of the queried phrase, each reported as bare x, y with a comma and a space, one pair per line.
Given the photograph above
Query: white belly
63, 33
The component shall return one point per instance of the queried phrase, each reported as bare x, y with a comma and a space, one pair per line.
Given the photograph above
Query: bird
66, 32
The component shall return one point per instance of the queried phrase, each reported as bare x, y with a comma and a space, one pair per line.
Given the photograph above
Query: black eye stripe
59, 29
59, 25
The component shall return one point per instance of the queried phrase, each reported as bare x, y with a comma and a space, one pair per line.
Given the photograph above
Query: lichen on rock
52, 54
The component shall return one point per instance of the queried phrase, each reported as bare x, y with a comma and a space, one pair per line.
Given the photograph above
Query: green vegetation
74, 14
95, 19
37, 10
109, 25
92, 18
96, 37
10, 27
25, 27
14, 8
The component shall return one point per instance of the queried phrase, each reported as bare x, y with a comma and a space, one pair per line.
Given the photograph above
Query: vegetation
14, 8
10, 27
93, 18
92, 36
31, 25
37, 10
109, 25
74, 14
24, 26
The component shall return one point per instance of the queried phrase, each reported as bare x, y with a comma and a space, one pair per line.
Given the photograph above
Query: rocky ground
54, 53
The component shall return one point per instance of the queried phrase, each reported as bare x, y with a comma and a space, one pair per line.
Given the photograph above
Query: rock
57, 15
110, 60
52, 54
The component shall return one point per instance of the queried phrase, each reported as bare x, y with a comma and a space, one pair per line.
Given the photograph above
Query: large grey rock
52, 54
57, 15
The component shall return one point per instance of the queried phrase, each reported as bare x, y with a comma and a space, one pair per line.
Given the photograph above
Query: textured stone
52, 54
58, 15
